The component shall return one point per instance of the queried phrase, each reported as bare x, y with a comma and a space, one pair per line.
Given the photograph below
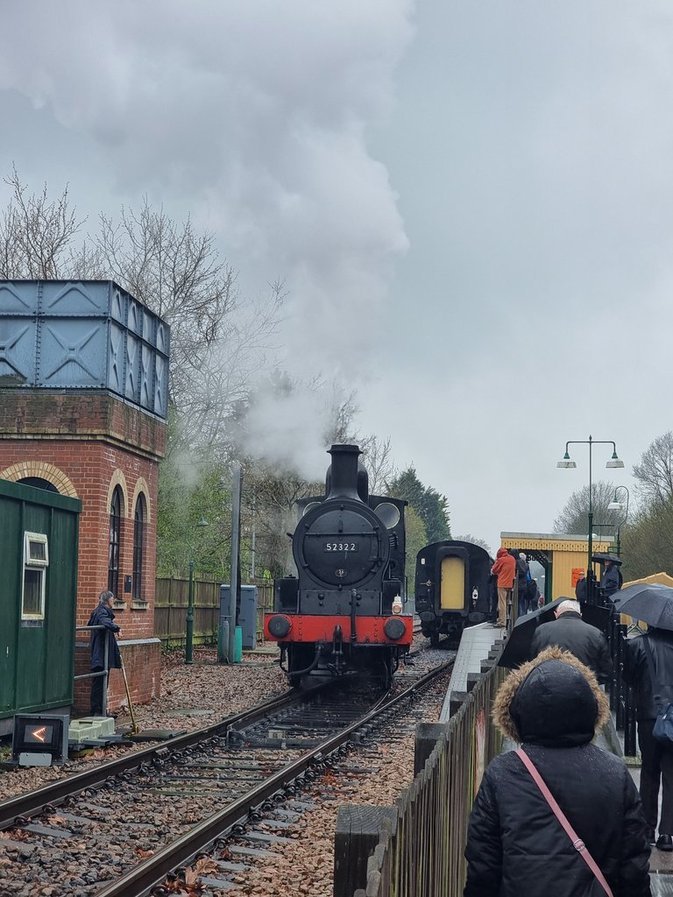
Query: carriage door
452, 594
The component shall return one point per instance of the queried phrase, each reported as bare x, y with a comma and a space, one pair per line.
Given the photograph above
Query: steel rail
16, 809
140, 880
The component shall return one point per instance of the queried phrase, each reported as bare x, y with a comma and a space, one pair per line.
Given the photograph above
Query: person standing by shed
505, 569
102, 615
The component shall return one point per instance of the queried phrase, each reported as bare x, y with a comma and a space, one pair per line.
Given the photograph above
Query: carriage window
138, 547
114, 542
35, 563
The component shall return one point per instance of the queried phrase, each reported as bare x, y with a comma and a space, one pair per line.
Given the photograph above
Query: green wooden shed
38, 588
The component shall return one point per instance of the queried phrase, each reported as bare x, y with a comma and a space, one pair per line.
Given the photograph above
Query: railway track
215, 781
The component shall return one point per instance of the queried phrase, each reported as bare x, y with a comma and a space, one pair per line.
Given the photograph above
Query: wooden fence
420, 850
170, 610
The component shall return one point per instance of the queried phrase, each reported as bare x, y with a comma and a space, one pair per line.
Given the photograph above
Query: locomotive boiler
342, 612
454, 588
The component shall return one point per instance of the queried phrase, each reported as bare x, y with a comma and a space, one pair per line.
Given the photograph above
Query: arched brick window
114, 542
38, 483
138, 547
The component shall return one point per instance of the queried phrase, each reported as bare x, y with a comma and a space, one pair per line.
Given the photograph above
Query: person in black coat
656, 758
611, 580
523, 577
104, 616
569, 631
515, 845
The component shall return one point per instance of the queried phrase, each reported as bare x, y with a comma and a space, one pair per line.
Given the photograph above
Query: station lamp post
617, 505
189, 620
614, 461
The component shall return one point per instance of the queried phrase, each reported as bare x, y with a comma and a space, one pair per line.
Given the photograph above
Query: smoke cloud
253, 116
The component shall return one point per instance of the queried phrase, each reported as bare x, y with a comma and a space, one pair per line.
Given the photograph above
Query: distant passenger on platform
581, 588
523, 578
493, 597
569, 631
104, 616
505, 569
648, 665
611, 580
516, 846
532, 595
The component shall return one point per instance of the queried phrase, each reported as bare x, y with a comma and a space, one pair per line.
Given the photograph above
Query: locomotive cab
336, 616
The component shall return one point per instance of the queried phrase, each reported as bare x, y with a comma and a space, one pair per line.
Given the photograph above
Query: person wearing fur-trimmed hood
516, 846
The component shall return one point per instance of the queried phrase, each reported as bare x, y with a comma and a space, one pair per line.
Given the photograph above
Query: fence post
427, 736
358, 830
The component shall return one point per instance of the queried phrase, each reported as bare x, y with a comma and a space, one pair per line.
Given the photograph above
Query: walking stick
134, 724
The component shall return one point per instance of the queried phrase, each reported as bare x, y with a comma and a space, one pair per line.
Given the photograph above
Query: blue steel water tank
84, 334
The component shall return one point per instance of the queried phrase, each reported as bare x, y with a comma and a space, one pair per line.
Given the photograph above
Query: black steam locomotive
454, 588
343, 611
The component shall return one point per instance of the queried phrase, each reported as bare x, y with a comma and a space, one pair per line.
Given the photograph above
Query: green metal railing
423, 852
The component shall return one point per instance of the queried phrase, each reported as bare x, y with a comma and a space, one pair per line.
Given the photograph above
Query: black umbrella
602, 558
517, 646
648, 602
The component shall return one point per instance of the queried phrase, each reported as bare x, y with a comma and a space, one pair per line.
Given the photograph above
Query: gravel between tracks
192, 697
305, 868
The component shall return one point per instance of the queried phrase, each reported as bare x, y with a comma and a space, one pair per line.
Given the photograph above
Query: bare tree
475, 541
378, 459
655, 471
574, 516
36, 232
175, 272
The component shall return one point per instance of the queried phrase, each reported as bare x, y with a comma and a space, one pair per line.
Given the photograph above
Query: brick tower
83, 402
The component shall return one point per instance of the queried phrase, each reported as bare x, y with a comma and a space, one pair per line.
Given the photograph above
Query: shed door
453, 584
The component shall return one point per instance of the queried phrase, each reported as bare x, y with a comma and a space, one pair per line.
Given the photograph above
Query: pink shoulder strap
577, 842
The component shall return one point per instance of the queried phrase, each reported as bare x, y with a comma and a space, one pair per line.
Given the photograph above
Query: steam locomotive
454, 588
342, 613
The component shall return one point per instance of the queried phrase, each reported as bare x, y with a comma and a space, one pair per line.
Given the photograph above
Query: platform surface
475, 645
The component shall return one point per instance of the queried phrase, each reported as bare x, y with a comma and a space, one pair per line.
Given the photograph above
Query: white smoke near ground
253, 117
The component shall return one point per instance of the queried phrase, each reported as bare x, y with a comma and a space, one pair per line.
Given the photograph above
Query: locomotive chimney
343, 472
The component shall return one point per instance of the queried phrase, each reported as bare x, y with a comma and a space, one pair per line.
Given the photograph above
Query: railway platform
476, 645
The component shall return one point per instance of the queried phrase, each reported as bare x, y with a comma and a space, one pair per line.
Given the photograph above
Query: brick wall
142, 663
80, 413
87, 443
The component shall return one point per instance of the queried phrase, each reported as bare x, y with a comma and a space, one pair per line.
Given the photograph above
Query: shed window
138, 547
114, 542
35, 563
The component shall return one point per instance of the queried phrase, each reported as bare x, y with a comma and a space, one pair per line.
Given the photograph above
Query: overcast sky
471, 204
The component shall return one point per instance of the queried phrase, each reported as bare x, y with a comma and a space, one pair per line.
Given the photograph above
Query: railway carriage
454, 588
342, 613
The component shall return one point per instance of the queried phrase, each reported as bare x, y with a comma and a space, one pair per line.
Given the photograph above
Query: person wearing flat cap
516, 845
569, 631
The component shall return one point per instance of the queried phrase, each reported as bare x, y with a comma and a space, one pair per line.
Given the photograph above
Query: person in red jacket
505, 569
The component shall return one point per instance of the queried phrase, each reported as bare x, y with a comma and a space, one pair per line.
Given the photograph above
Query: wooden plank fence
170, 610
421, 841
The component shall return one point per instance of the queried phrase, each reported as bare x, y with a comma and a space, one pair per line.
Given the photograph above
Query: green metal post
189, 639
590, 565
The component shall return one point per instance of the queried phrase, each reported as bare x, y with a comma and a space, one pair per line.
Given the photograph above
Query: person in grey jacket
569, 631
657, 759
